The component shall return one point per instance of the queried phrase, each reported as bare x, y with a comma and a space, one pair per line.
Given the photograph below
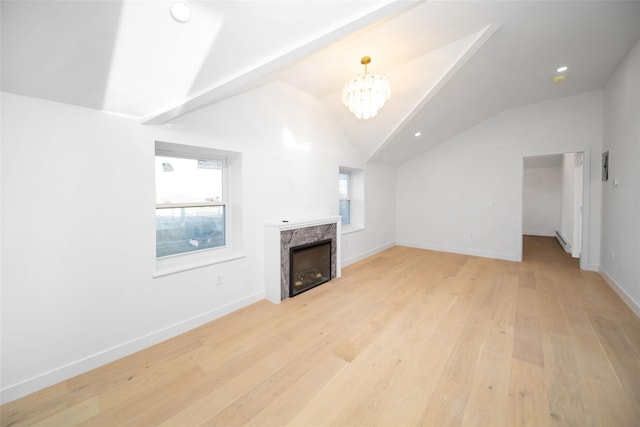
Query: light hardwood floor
406, 337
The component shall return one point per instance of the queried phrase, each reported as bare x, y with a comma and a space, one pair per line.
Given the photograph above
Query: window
344, 196
190, 203
351, 198
198, 209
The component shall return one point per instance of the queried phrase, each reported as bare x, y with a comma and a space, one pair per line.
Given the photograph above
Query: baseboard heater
566, 246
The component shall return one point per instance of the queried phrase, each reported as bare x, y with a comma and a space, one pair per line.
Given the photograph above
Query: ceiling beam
482, 37
263, 73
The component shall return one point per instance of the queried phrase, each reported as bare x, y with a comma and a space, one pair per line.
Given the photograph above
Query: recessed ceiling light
562, 69
559, 79
180, 12
418, 134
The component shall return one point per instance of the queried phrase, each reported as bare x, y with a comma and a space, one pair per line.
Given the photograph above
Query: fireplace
309, 266
282, 236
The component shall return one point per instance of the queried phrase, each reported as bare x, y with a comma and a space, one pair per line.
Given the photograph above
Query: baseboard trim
483, 254
39, 382
539, 233
592, 267
367, 254
563, 242
626, 298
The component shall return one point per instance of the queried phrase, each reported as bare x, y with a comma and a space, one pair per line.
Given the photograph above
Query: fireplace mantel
273, 256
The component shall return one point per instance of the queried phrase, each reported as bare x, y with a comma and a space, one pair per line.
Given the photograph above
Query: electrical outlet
219, 282
613, 255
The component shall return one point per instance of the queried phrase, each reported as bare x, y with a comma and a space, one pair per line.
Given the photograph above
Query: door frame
585, 253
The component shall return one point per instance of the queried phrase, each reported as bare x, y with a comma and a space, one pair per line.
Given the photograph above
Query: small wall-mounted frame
605, 166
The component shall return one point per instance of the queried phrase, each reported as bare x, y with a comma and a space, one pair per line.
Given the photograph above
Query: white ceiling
451, 63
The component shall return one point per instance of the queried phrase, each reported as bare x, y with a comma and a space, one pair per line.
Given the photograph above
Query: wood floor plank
529, 399
283, 407
608, 403
448, 403
568, 400
488, 398
405, 337
255, 400
620, 353
72, 415
342, 395
527, 279
527, 342
489, 395
550, 310
527, 301
402, 394
154, 402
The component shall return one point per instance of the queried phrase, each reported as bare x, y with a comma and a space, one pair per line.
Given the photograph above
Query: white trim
563, 242
539, 233
189, 205
585, 252
482, 37
592, 267
166, 270
586, 257
520, 211
348, 229
194, 152
368, 254
286, 224
626, 298
484, 254
46, 379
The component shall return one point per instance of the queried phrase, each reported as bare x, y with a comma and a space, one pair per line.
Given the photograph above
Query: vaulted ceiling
451, 63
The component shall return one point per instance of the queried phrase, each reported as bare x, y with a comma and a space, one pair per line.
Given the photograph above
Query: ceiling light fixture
366, 93
180, 12
562, 69
417, 134
559, 79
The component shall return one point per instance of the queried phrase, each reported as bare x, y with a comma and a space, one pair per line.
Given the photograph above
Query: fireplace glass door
310, 266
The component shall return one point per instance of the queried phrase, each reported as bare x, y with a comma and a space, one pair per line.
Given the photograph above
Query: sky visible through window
343, 186
344, 204
188, 180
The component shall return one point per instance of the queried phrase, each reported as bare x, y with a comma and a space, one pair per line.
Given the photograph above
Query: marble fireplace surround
280, 237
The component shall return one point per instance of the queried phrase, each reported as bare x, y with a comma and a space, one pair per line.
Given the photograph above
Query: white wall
78, 238
541, 200
621, 204
568, 189
465, 195
379, 220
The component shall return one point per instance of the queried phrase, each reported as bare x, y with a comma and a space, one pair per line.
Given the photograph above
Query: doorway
552, 199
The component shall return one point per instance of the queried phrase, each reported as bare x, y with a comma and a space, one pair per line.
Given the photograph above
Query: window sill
166, 267
348, 229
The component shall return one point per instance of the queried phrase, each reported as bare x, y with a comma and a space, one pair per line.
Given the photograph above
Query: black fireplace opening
309, 266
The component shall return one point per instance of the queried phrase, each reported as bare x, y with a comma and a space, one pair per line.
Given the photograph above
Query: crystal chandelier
366, 93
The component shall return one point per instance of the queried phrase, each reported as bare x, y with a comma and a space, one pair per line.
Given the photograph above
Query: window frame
223, 202
231, 201
356, 197
346, 173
